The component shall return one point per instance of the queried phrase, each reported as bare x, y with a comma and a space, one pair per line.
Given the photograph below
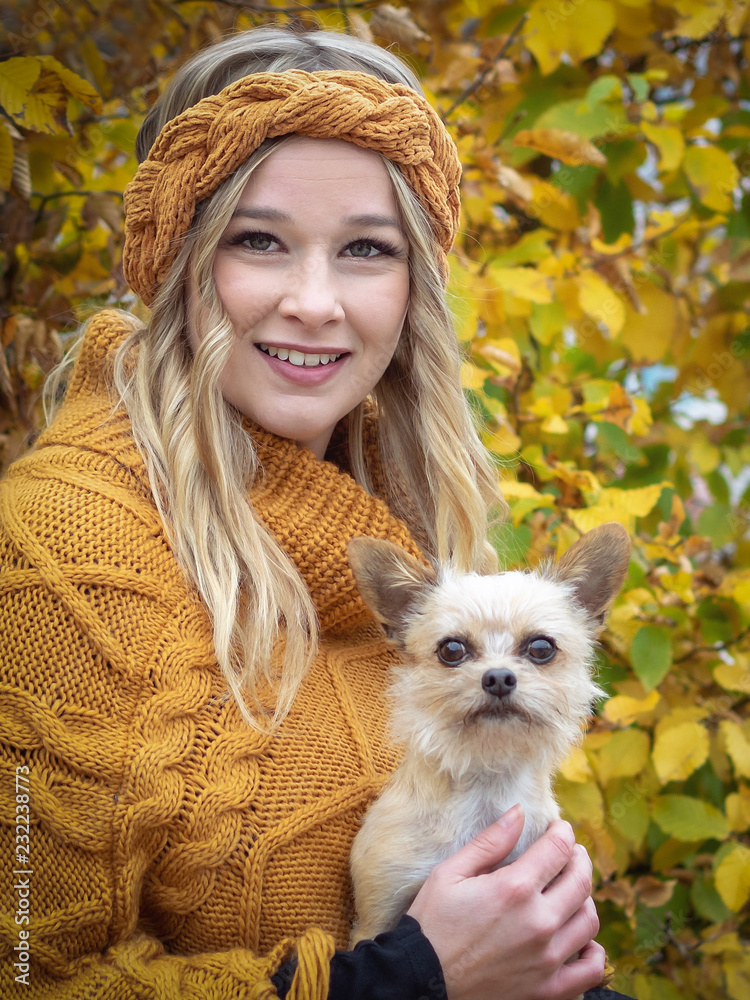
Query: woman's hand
522, 932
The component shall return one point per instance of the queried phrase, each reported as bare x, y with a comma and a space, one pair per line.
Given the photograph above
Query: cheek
245, 299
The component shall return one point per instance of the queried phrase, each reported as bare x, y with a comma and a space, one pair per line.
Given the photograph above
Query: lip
301, 375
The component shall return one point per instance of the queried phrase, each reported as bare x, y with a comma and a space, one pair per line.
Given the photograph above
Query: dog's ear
596, 566
390, 581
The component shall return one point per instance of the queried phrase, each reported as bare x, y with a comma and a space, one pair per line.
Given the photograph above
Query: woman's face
313, 272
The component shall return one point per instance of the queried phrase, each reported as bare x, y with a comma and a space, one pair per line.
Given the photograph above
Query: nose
312, 295
499, 682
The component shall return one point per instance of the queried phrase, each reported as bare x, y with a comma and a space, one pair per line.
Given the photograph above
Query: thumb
491, 846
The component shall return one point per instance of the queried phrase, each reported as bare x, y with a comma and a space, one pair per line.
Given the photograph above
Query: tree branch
480, 79
300, 8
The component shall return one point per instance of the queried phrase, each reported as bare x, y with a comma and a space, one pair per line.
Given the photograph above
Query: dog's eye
452, 652
541, 649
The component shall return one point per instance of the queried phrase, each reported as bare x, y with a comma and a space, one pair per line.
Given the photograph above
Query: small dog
494, 691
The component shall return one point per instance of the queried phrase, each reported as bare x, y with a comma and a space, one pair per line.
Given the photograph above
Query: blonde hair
202, 463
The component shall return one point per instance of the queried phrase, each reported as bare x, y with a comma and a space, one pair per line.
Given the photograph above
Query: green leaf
640, 85
590, 122
689, 819
615, 206
604, 88
707, 901
623, 158
714, 522
651, 654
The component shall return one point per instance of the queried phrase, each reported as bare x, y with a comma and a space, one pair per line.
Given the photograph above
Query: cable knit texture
204, 145
175, 852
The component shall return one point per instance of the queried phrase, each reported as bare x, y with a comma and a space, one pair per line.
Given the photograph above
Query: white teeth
297, 357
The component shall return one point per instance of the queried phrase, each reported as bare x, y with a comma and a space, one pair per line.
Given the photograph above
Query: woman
193, 686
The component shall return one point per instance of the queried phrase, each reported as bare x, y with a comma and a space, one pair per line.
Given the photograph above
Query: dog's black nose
499, 682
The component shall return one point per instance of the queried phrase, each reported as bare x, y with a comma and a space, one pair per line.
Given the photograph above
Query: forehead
338, 171
516, 603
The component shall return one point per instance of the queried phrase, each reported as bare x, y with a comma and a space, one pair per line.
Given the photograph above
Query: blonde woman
193, 722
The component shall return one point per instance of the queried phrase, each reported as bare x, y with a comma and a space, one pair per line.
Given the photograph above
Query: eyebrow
274, 215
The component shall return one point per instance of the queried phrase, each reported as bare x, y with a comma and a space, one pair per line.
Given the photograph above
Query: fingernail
510, 816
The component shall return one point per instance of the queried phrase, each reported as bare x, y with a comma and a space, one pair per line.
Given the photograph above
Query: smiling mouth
297, 358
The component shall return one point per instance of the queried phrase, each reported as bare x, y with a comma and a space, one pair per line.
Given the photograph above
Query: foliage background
600, 286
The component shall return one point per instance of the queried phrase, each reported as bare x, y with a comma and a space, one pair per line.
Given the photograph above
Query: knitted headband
200, 148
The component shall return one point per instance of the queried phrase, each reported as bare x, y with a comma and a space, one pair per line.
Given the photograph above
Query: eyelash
382, 246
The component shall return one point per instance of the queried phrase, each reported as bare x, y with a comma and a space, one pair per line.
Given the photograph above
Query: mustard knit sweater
153, 846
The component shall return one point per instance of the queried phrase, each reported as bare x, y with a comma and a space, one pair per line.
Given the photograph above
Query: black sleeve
398, 965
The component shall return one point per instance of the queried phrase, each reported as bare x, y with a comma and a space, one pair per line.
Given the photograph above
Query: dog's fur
470, 754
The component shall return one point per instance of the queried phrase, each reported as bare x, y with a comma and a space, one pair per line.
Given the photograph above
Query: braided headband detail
204, 145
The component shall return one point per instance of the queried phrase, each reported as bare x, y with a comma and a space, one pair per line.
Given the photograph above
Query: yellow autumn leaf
738, 809
576, 767
513, 490
75, 85
580, 800
472, 377
33, 97
600, 301
723, 944
552, 206
500, 351
554, 31
733, 676
462, 294
648, 333
698, 18
623, 709
732, 877
737, 746
561, 145
617, 505
679, 751
713, 176
641, 419
17, 78
502, 441
523, 282
704, 455
554, 424
669, 140
623, 756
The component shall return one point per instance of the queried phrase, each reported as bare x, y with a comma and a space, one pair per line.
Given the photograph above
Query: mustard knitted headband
200, 148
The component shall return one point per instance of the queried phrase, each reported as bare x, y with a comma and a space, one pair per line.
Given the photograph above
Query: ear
596, 565
390, 581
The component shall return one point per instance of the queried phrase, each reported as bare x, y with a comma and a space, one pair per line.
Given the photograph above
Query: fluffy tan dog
494, 690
